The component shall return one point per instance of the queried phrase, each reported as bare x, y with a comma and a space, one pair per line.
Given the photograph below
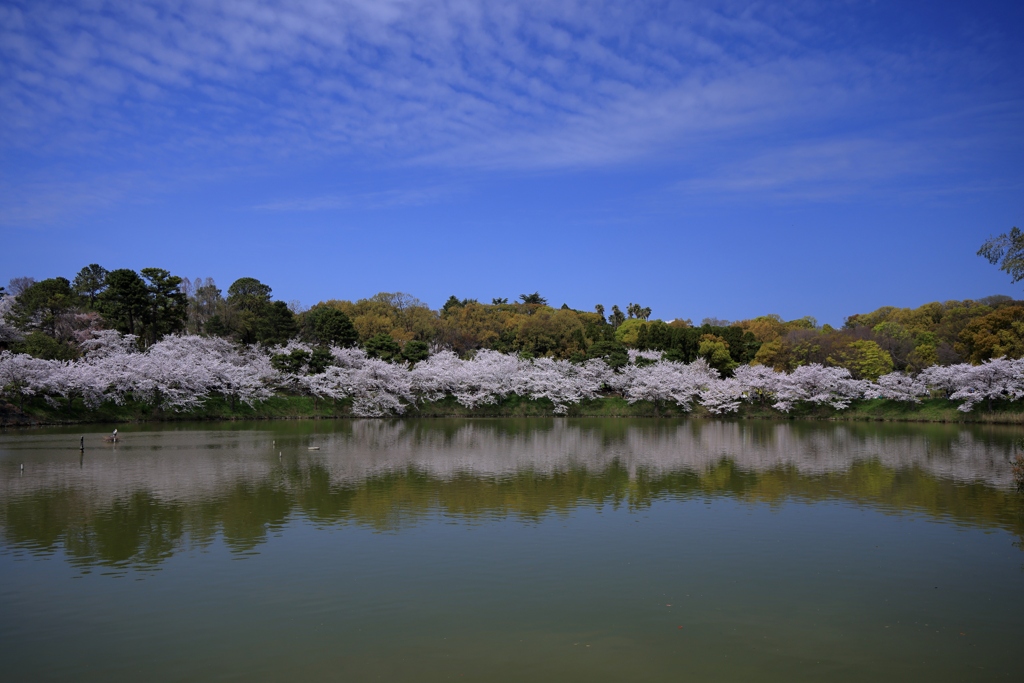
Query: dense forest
109, 337
51, 318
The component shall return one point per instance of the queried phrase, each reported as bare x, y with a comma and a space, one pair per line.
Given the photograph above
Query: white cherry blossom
182, 372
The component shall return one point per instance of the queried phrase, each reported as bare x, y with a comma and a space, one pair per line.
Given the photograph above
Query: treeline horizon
50, 318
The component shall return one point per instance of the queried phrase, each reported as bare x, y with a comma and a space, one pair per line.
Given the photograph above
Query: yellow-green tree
864, 359
715, 351
628, 332
773, 354
1000, 333
549, 332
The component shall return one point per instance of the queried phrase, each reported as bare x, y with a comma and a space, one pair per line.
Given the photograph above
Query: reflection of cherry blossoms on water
167, 488
180, 372
179, 463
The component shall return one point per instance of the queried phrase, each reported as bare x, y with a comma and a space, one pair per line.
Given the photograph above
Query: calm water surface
511, 550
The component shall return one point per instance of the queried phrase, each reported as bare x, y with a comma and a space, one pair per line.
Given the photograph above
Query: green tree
924, 355
628, 333
773, 354
414, 351
326, 325
638, 311
550, 333
612, 353
864, 359
248, 294
167, 304
205, 301
41, 304
320, 360
617, 317
384, 347
1000, 333
452, 303
643, 338
293, 362
42, 345
715, 351
1007, 250
275, 324
90, 281
534, 298
125, 301
216, 326
300, 362
254, 317
473, 326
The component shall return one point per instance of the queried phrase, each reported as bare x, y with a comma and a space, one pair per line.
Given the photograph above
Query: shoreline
937, 411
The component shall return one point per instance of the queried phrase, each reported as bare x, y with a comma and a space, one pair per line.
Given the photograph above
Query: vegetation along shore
116, 346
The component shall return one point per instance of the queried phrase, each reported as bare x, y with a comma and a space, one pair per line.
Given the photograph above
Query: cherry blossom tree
181, 372
996, 379
760, 382
561, 382
245, 375
723, 395
897, 386
22, 375
817, 384
680, 383
634, 355
59, 379
944, 378
485, 379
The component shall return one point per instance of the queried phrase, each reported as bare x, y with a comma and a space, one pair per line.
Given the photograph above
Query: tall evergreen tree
39, 305
168, 305
90, 281
125, 301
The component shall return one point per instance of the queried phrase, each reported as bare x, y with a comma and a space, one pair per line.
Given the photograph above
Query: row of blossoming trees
181, 372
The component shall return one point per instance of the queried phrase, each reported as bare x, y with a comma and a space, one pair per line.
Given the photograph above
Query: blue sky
704, 159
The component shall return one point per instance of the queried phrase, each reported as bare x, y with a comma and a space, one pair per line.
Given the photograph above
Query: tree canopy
90, 281
154, 303
326, 325
40, 305
1007, 250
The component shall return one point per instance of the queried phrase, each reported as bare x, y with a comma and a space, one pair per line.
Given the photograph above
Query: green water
511, 550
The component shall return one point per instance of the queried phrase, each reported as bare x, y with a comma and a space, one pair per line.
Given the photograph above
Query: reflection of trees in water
393, 475
141, 530
506, 446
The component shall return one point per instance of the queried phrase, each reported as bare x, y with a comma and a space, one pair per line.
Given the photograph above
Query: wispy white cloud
468, 83
917, 161
406, 77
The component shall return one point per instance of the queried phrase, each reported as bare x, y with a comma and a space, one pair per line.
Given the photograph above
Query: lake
511, 550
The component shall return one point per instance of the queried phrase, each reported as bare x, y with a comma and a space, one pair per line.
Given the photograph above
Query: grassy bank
39, 412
